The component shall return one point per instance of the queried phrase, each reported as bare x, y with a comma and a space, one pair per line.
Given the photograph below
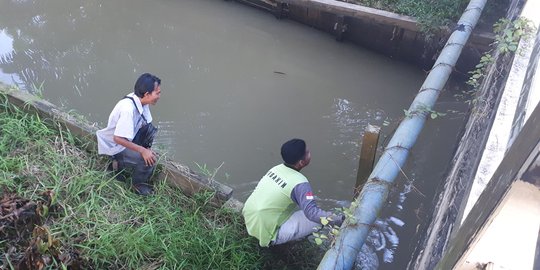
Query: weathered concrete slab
514, 225
523, 152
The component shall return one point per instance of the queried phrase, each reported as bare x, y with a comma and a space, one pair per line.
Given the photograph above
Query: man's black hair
293, 150
145, 84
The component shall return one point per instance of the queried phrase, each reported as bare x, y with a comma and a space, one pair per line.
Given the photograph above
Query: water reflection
6, 44
6, 49
167, 136
350, 119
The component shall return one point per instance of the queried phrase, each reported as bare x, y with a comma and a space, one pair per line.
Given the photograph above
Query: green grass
434, 14
100, 224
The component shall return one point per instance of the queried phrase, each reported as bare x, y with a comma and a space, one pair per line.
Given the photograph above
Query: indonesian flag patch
309, 195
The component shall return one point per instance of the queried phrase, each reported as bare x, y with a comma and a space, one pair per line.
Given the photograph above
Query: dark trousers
132, 162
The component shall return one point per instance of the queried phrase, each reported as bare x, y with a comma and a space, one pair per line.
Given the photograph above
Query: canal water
236, 84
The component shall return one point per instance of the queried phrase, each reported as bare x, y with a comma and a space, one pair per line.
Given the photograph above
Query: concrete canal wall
391, 34
494, 124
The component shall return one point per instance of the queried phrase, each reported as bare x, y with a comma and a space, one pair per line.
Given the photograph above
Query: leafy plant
478, 73
509, 33
507, 36
329, 232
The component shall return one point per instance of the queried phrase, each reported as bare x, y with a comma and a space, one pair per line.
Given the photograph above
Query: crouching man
126, 119
281, 208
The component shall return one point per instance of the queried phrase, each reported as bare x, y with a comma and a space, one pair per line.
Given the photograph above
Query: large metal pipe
354, 232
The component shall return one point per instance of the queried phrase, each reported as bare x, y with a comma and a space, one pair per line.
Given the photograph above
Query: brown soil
27, 241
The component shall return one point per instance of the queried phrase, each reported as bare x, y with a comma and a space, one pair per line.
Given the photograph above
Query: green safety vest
270, 204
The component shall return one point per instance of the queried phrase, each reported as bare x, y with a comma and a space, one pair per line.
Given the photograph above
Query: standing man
125, 120
281, 208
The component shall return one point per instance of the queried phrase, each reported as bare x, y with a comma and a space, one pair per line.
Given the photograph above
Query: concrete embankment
394, 35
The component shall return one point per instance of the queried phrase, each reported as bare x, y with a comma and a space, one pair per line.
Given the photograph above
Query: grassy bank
433, 14
60, 209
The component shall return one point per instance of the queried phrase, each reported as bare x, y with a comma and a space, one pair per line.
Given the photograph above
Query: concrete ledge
394, 35
175, 174
234, 204
357, 11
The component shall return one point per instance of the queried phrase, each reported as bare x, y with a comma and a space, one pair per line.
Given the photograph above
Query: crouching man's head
148, 89
295, 154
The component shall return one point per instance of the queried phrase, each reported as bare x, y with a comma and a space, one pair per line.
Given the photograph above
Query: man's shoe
114, 170
113, 166
143, 189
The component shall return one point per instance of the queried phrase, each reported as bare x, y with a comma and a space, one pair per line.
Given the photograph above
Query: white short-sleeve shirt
124, 121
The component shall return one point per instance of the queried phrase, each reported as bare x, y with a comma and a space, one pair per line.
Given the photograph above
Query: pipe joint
454, 44
376, 181
444, 65
359, 224
430, 89
396, 147
479, 9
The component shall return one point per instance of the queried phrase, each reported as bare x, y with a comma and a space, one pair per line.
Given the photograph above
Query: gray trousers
296, 227
133, 162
